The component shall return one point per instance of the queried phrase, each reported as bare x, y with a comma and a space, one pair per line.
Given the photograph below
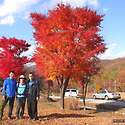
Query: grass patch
47, 105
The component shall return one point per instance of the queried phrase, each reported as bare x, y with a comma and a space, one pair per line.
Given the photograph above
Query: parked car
71, 92
105, 94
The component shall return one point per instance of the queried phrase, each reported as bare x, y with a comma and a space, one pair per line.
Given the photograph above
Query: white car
71, 92
105, 94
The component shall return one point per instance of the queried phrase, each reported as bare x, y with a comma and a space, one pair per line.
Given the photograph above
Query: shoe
9, 117
36, 119
17, 118
21, 117
30, 118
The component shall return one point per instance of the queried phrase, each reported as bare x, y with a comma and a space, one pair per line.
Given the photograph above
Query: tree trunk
86, 89
62, 91
48, 91
62, 97
84, 92
83, 96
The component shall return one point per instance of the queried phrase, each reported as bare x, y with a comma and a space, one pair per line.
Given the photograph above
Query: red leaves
10, 56
68, 40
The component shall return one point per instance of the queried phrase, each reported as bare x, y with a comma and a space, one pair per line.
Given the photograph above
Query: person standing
32, 97
21, 92
8, 93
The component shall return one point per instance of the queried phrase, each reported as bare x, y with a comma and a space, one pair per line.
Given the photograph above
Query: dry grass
71, 104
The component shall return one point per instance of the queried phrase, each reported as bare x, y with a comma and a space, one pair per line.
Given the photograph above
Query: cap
21, 77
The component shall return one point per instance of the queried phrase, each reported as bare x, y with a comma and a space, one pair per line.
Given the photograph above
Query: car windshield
101, 92
67, 90
111, 92
98, 92
73, 90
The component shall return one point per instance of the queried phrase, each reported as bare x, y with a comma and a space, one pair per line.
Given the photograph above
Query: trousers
20, 106
32, 107
11, 102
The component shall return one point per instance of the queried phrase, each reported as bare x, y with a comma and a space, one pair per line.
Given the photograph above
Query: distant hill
109, 74
111, 64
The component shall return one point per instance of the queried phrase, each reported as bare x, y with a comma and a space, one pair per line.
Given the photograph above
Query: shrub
71, 103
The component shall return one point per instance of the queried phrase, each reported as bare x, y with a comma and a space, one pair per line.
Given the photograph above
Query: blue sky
15, 21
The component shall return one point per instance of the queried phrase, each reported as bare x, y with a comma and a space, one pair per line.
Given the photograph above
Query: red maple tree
10, 56
68, 43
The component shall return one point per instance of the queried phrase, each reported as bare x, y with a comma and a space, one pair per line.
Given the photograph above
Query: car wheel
106, 97
94, 97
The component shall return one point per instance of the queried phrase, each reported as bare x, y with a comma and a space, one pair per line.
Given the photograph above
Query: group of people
21, 90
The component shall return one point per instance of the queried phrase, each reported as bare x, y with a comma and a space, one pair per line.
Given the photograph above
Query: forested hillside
110, 64
111, 75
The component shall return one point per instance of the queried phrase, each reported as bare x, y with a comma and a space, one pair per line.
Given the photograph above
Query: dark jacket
33, 88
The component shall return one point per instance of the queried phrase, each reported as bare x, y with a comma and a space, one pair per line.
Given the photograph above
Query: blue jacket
21, 90
9, 87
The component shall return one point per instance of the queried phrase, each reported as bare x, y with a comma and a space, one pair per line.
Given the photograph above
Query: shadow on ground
56, 115
109, 106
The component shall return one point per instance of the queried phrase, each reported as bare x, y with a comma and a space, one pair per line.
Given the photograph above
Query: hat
21, 77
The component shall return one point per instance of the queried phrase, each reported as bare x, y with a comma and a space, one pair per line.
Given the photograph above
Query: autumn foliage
10, 56
68, 43
121, 80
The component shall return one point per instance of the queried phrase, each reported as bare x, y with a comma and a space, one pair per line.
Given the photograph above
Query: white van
71, 92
